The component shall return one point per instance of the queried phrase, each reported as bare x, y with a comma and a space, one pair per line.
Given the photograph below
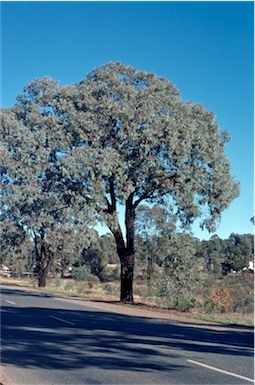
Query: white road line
12, 303
62, 320
221, 371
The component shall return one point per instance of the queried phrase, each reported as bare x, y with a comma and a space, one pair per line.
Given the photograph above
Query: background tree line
175, 266
157, 244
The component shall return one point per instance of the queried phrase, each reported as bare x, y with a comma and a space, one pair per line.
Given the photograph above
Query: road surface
47, 340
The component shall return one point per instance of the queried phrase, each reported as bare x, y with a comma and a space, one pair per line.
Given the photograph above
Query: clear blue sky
205, 48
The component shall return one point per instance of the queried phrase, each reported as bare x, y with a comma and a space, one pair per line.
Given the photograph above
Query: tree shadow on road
49, 338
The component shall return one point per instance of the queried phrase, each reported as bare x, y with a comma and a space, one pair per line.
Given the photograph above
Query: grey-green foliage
128, 125
81, 273
129, 130
12, 237
29, 168
181, 276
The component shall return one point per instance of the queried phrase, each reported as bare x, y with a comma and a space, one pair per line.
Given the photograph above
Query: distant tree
239, 251
108, 247
95, 261
69, 242
125, 136
152, 225
96, 255
212, 252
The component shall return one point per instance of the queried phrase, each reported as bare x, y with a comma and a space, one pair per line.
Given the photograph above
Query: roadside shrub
186, 302
57, 283
177, 287
69, 286
220, 299
93, 279
173, 297
80, 273
80, 289
111, 290
242, 301
243, 293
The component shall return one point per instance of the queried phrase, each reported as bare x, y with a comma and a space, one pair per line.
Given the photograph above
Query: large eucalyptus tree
125, 136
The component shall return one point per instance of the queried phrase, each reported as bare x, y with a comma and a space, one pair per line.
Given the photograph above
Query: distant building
250, 266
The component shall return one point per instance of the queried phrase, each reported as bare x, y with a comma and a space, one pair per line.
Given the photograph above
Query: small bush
80, 273
220, 299
172, 297
185, 303
93, 279
111, 290
80, 289
57, 282
69, 286
164, 291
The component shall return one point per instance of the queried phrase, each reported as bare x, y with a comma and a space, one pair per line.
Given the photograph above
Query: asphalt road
50, 341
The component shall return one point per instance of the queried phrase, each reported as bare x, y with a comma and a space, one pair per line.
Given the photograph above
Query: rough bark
128, 261
127, 276
43, 266
44, 259
42, 279
126, 252
127, 267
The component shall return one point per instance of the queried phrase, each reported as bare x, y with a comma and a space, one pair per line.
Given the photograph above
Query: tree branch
109, 207
139, 200
112, 193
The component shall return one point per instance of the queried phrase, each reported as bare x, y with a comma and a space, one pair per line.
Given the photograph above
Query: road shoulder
136, 310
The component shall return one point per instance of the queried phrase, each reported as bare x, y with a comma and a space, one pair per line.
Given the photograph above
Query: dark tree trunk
43, 266
128, 262
42, 279
126, 278
125, 250
44, 259
127, 267
126, 253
